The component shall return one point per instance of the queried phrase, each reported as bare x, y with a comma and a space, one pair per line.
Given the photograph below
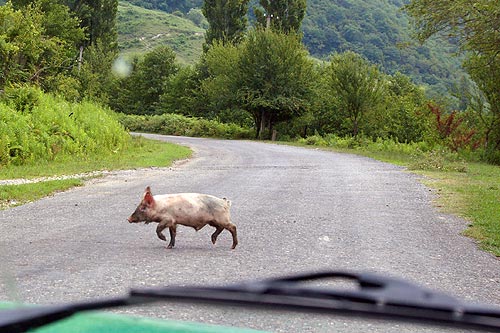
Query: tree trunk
262, 124
257, 120
355, 128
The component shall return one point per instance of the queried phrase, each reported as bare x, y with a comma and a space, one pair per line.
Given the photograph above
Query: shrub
175, 124
36, 126
491, 156
313, 140
440, 159
23, 98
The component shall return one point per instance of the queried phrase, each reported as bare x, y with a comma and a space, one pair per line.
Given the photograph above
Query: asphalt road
296, 210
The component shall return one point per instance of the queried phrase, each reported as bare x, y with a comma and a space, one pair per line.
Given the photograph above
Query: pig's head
145, 211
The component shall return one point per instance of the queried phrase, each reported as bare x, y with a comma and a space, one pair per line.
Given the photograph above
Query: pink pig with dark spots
190, 209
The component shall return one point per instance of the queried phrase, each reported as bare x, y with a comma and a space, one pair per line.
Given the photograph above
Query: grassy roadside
140, 153
475, 196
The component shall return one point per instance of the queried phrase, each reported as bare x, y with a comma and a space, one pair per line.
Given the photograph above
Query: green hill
140, 30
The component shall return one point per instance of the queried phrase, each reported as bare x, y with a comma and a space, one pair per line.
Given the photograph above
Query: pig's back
192, 203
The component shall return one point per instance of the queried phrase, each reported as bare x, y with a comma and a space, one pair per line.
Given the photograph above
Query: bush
175, 124
313, 140
491, 156
440, 159
41, 127
23, 98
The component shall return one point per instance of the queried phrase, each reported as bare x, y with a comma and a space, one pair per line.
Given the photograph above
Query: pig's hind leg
232, 229
216, 234
220, 225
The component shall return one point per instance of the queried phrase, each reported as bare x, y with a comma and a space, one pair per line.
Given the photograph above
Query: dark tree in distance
285, 15
98, 17
227, 21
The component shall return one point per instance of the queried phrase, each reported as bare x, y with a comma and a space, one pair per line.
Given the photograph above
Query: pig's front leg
159, 229
173, 231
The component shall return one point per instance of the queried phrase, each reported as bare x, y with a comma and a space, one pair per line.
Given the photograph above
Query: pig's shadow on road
200, 249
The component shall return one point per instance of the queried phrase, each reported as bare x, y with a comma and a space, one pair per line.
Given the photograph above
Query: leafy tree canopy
358, 86
285, 15
33, 48
275, 77
227, 20
476, 26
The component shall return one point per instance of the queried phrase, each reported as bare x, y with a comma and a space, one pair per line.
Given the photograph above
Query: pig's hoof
170, 246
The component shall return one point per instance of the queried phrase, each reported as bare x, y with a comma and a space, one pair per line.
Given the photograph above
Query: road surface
296, 210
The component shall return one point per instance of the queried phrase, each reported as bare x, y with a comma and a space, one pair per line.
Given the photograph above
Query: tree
284, 15
36, 45
141, 92
98, 18
475, 25
485, 71
227, 21
268, 74
357, 85
219, 88
57, 20
180, 94
404, 109
94, 73
275, 77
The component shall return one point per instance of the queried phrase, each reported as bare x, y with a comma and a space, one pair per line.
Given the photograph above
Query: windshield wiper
376, 296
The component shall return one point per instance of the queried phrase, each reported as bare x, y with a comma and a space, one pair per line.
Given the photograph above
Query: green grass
139, 153
140, 30
475, 196
14, 195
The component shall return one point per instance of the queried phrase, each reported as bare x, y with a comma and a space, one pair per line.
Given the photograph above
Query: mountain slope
380, 30
140, 30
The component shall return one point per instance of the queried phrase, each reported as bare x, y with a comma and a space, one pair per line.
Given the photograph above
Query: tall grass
38, 127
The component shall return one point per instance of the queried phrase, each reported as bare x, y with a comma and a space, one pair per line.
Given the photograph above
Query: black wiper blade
376, 296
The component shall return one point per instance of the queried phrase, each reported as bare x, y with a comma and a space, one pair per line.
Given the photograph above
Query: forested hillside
377, 29
169, 6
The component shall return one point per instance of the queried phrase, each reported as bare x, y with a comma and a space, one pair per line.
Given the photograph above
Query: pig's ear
148, 199
148, 189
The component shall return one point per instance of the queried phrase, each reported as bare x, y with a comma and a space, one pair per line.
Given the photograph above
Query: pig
190, 209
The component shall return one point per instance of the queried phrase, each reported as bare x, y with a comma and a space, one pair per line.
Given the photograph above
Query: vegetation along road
296, 210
